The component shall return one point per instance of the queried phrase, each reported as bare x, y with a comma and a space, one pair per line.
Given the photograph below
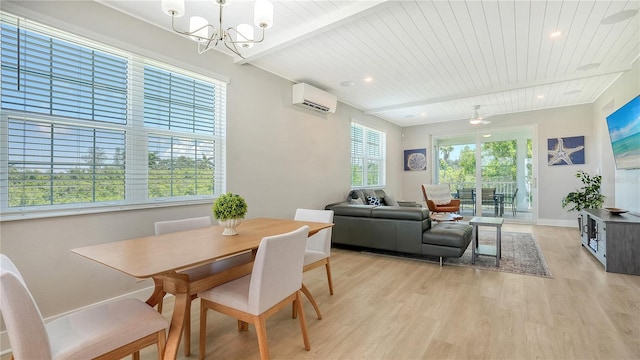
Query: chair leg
187, 329
303, 323
162, 343
261, 332
160, 305
135, 355
203, 330
311, 300
243, 326
328, 267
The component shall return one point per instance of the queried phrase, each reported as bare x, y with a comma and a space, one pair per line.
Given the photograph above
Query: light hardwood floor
387, 308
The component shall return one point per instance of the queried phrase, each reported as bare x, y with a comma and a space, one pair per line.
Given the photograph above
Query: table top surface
491, 221
157, 254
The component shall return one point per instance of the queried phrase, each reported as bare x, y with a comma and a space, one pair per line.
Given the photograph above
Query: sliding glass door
490, 171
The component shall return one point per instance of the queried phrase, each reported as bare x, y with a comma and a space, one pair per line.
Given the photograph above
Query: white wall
280, 157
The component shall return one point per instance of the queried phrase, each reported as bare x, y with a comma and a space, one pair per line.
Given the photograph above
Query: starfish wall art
566, 150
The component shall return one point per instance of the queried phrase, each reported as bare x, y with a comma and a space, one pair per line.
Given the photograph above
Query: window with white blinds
367, 157
85, 126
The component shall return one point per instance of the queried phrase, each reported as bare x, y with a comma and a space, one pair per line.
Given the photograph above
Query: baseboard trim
557, 222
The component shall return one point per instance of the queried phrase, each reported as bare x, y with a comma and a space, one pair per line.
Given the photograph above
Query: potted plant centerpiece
587, 197
229, 209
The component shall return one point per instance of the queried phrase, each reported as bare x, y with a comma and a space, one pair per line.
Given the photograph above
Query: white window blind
84, 125
367, 157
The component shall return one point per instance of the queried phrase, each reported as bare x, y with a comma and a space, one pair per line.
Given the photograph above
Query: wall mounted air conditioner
313, 98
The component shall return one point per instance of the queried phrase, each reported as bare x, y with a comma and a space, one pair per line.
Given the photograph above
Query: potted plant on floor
229, 209
587, 197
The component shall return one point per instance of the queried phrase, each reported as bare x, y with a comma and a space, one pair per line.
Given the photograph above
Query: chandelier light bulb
198, 27
263, 14
245, 33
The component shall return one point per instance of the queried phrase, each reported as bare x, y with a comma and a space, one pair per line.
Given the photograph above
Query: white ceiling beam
316, 27
499, 89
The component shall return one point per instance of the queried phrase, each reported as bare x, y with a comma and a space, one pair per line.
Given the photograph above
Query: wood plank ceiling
432, 61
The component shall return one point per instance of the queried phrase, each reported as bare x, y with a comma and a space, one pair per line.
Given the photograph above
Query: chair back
515, 193
277, 269
170, 226
320, 241
466, 195
488, 195
440, 194
27, 334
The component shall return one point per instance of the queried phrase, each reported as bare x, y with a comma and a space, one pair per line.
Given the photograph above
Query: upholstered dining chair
108, 331
199, 272
438, 198
318, 249
275, 282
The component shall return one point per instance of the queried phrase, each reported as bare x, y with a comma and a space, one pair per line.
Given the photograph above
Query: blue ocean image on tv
624, 131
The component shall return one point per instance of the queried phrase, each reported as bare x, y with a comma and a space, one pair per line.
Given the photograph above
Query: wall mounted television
624, 132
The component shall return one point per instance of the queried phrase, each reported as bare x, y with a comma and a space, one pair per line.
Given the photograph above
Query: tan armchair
438, 198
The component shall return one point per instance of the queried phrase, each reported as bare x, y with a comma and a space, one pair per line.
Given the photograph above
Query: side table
487, 250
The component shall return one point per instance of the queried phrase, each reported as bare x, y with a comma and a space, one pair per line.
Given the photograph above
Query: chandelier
208, 36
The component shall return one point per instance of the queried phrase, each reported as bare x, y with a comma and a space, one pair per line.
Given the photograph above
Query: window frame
136, 135
368, 156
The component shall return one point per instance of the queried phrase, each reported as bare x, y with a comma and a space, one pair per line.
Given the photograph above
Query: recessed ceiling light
368, 79
541, 96
587, 67
555, 34
347, 83
572, 92
486, 135
619, 16
423, 114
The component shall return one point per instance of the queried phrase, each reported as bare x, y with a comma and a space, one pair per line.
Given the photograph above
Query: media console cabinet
613, 239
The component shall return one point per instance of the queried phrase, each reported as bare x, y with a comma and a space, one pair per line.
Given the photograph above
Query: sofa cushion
352, 210
390, 201
356, 201
402, 213
448, 234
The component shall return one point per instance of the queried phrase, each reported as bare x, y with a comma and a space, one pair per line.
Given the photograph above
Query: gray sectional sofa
403, 228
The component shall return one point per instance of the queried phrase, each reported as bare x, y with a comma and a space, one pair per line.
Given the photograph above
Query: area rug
520, 255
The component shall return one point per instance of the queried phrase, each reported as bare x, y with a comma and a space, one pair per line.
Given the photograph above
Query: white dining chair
108, 331
199, 272
318, 249
274, 283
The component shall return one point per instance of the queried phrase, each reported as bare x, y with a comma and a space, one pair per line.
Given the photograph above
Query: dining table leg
177, 284
158, 293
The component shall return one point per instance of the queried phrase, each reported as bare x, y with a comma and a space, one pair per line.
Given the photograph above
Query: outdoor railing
502, 187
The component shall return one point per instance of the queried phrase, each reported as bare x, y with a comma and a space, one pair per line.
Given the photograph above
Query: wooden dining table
162, 257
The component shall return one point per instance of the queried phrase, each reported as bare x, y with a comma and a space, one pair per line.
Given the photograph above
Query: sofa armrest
329, 206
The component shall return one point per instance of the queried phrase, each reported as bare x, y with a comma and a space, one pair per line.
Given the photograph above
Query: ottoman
445, 240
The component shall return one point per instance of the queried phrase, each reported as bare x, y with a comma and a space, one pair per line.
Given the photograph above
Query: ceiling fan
476, 118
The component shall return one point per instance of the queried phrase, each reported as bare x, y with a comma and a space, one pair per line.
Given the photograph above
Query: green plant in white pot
588, 196
229, 209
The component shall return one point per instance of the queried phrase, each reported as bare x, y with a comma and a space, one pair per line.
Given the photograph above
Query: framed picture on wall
566, 150
415, 160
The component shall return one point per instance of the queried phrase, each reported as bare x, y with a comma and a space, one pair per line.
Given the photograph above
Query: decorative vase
230, 226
